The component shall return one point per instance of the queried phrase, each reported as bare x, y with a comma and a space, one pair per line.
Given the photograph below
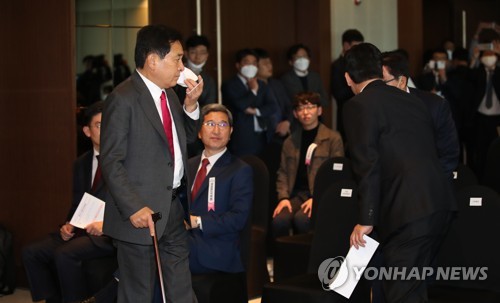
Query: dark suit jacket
237, 97
82, 183
218, 244
445, 132
294, 86
136, 165
394, 158
479, 81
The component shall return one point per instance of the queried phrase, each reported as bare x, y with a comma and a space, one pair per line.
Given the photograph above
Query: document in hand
90, 209
353, 267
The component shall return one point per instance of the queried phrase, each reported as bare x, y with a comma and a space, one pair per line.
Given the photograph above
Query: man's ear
86, 131
348, 79
152, 61
320, 110
295, 114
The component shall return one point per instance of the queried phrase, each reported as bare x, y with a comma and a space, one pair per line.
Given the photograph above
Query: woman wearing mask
300, 78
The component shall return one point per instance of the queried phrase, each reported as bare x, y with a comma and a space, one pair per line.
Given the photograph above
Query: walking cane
156, 217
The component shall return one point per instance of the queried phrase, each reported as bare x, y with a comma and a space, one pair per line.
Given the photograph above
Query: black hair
363, 62
195, 40
295, 48
306, 97
352, 35
261, 53
461, 54
242, 53
154, 39
397, 64
91, 111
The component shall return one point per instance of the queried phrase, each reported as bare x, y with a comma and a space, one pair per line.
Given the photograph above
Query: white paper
346, 280
476, 201
90, 209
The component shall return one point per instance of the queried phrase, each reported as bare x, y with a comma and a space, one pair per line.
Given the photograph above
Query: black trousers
138, 268
54, 266
415, 245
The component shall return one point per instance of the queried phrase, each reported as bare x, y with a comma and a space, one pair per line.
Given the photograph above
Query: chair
257, 273
467, 245
337, 216
491, 176
463, 176
292, 252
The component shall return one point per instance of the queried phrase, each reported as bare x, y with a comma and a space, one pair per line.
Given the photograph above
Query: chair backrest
463, 176
469, 242
332, 170
491, 176
337, 216
261, 190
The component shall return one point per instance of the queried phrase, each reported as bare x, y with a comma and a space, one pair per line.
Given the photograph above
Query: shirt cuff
195, 115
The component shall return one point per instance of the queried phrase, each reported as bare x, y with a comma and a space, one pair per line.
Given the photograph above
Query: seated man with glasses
303, 153
222, 195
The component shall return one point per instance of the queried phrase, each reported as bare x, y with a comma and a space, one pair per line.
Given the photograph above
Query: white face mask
186, 74
489, 61
249, 71
196, 68
301, 64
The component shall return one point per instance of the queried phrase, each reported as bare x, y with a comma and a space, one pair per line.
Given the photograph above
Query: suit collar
223, 161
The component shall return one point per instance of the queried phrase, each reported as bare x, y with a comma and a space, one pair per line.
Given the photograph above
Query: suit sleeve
114, 142
362, 132
238, 97
447, 138
234, 220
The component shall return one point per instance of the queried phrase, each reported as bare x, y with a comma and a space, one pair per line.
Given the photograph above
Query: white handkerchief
186, 74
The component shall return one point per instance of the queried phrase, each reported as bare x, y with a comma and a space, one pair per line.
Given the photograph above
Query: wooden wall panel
410, 32
37, 124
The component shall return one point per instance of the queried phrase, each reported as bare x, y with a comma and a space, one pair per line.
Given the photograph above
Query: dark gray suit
139, 172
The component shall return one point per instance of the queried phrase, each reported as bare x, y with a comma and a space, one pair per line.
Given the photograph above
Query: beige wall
376, 19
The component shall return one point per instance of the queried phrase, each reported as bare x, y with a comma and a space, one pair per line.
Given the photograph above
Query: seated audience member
54, 264
303, 153
283, 117
300, 78
396, 72
251, 103
222, 195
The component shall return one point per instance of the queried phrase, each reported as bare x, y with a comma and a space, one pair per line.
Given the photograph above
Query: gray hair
216, 107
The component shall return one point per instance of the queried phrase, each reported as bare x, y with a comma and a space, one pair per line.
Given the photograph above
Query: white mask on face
249, 71
301, 64
196, 68
489, 61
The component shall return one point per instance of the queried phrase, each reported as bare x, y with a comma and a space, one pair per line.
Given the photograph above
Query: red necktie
97, 177
167, 123
200, 176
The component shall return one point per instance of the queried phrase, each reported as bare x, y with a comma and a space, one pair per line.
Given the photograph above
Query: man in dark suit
54, 264
145, 131
252, 104
403, 192
396, 73
221, 201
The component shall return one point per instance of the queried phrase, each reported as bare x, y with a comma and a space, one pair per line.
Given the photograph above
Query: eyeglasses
212, 124
309, 107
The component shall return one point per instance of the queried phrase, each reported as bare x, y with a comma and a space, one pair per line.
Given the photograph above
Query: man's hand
142, 219
283, 204
94, 228
307, 207
253, 84
283, 128
194, 224
66, 231
357, 235
250, 111
193, 92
